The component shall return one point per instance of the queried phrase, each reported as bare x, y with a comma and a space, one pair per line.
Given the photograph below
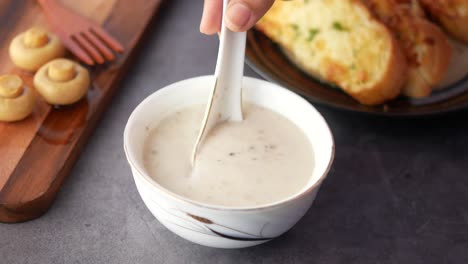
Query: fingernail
203, 30
238, 15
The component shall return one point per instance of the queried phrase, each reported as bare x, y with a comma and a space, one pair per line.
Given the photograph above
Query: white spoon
225, 103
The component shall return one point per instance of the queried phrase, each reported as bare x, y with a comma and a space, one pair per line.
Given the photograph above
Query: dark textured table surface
397, 192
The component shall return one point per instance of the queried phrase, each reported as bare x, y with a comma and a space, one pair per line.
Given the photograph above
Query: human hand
241, 15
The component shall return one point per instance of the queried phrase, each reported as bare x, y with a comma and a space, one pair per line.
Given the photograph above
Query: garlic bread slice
339, 41
427, 48
452, 14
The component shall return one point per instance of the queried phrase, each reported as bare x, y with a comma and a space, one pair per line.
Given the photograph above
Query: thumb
241, 15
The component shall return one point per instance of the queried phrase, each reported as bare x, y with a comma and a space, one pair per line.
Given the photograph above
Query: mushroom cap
16, 101
61, 84
35, 47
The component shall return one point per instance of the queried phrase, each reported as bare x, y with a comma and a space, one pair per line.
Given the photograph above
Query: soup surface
261, 160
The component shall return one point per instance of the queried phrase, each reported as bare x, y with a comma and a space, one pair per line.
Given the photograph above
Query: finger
211, 18
243, 14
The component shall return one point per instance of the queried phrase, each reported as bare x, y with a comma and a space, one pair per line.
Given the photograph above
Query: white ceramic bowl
218, 226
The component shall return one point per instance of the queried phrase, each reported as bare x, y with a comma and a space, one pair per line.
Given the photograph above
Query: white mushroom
16, 101
62, 82
34, 48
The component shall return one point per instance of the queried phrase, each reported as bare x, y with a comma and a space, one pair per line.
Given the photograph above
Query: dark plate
266, 58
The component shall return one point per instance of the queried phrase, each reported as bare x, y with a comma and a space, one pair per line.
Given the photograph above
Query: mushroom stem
11, 86
35, 38
61, 70
16, 101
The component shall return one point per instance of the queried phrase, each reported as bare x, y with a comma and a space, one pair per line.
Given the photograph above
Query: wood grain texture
36, 154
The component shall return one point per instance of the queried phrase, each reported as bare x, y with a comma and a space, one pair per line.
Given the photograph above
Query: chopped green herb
312, 33
338, 26
295, 27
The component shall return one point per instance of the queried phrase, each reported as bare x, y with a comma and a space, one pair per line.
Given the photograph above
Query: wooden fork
84, 38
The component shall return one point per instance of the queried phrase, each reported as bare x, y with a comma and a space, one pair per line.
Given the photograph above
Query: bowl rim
171, 195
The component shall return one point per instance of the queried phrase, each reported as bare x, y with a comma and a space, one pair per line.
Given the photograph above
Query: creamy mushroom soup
261, 160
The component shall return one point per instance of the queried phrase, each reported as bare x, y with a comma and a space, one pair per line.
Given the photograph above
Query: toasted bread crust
426, 47
451, 14
390, 86
432, 67
373, 73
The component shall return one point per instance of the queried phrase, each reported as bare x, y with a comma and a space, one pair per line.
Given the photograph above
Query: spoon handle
229, 72
225, 102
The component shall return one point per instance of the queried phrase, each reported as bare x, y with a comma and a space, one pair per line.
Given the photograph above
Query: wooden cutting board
36, 154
